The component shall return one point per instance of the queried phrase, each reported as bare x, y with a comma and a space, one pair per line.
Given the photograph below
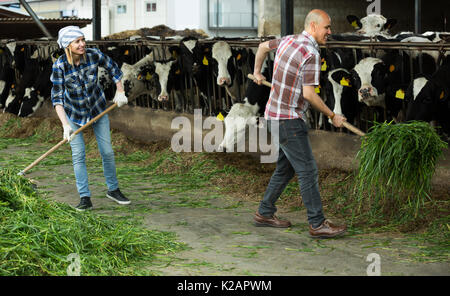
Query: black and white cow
371, 25
30, 74
341, 95
34, 96
133, 83
7, 80
378, 84
429, 98
218, 61
369, 79
247, 113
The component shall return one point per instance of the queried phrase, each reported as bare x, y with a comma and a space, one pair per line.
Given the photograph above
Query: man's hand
120, 99
259, 78
68, 133
338, 120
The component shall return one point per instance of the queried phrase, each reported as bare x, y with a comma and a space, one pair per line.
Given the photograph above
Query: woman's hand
120, 99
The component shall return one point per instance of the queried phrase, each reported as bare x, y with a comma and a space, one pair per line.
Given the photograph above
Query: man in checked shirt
77, 98
295, 76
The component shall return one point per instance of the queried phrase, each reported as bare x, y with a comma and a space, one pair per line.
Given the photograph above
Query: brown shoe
327, 230
271, 222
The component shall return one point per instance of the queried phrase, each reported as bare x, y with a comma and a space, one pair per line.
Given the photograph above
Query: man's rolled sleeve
311, 70
273, 43
57, 92
111, 66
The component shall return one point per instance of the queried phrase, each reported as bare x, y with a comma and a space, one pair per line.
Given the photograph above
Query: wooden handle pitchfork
347, 125
34, 163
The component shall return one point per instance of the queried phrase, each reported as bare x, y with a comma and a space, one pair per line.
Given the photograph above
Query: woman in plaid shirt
295, 76
77, 98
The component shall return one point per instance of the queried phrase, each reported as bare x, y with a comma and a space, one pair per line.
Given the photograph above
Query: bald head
315, 16
318, 24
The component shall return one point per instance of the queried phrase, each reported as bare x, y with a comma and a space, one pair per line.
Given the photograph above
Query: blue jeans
103, 136
294, 157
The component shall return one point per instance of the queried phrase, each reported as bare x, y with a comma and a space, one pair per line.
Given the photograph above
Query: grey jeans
294, 157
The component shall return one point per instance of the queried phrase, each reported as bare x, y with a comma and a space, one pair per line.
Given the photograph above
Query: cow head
163, 70
193, 56
371, 24
222, 62
369, 78
133, 83
425, 99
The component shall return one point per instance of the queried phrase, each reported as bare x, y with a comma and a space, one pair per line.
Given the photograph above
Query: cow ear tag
148, 76
22, 49
205, 61
220, 116
174, 54
126, 52
354, 24
442, 95
345, 82
400, 94
317, 90
391, 68
238, 57
324, 66
178, 71
139, 77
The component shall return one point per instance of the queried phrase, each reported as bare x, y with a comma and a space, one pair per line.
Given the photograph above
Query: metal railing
219, 99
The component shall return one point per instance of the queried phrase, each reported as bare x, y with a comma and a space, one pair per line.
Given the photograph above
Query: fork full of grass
396, 165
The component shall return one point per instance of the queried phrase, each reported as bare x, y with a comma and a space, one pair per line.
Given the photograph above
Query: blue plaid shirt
76, 87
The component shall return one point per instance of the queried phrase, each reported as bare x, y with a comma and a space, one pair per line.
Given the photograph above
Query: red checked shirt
297, 63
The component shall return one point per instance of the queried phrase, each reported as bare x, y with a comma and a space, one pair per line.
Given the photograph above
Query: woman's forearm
61, 114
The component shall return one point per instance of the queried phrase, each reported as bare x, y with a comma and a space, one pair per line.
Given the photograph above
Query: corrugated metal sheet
22, 28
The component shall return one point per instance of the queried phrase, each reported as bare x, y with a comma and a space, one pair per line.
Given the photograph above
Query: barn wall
402, 10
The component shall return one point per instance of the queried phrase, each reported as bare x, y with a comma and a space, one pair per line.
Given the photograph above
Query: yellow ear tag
220, 116
12, 85
178, 72
345, 82
126, 52
317, 89
442, 95
324, 66
174, 54
238, 57
391, 68
400, 94
148, 76
139, 77
205, 61
22, 49
354, 24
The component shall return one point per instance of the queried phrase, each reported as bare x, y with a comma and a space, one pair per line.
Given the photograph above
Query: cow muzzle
365, 93
222, 81
163, 97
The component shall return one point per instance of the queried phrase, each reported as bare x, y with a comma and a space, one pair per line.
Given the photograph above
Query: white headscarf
68, 34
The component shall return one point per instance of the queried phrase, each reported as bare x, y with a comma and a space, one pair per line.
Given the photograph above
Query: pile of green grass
37, 236
396, 165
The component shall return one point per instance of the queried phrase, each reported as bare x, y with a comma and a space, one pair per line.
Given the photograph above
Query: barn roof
14, 25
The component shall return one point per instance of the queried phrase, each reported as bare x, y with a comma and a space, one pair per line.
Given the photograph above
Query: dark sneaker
327, 230
118, 197
85, 204
270, 222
